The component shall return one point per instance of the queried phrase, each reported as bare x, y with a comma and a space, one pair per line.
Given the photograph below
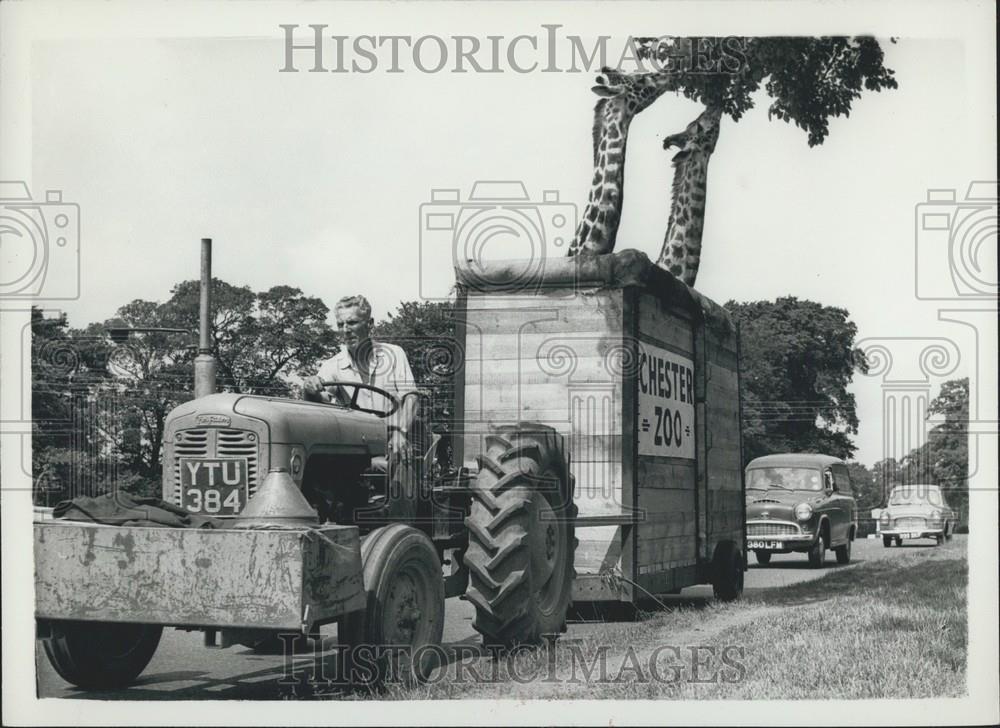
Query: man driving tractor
374, 363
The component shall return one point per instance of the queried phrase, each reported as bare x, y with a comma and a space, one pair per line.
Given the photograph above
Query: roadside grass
885, 628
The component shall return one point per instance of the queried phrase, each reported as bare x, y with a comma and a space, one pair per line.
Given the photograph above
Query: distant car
916, 511
800, 503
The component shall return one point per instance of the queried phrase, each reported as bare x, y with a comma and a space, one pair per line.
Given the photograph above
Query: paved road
183, 669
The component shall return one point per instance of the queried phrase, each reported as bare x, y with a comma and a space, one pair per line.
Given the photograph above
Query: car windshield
915, 495
784, 479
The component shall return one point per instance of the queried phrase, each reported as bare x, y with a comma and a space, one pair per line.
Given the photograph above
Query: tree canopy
809, 79
123, 392
798, 357
944, 458
426, 331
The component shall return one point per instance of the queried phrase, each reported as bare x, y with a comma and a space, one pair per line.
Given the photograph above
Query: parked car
916, 511
800, 503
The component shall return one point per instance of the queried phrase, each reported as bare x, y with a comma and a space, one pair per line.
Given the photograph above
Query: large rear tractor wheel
521, 537
101, 655
397, 636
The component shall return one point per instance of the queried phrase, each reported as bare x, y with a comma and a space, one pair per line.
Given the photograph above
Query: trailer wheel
521, 537
100, 655
727, 572
405, 609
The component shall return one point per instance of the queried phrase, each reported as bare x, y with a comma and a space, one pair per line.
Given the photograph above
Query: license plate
764, 545
910, 535
214, 487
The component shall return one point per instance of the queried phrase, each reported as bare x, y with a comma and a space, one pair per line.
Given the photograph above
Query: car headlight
803, 511
884, 517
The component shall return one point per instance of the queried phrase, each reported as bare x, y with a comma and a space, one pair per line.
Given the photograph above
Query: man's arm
404, 382
312, 388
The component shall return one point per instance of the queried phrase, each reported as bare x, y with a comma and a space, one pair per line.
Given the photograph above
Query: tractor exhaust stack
204, 363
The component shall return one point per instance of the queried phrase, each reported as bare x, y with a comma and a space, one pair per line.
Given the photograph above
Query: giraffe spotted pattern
622, 97
681, 252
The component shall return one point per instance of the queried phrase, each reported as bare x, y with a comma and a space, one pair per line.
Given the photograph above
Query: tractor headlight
296, 461
803, 511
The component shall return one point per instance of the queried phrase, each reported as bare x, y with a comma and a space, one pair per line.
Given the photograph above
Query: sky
317, 180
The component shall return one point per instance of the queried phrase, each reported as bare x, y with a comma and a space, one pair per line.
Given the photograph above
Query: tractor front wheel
521, 537
100, 655
398, 634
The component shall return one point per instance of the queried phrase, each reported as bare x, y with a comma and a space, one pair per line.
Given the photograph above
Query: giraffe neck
681, 252
598, 225
625, 95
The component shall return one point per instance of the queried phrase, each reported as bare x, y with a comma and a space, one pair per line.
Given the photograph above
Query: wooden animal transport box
639, 373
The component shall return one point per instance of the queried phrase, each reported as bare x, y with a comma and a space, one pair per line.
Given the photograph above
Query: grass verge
886, 628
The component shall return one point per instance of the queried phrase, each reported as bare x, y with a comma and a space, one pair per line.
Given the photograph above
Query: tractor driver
369, 362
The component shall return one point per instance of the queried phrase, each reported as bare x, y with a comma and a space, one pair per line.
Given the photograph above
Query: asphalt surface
183, 669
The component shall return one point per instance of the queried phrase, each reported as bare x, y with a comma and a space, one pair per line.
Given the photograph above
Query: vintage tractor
308, 533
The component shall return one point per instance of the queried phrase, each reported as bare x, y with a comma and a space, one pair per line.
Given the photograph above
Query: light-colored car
916, 511
798, 502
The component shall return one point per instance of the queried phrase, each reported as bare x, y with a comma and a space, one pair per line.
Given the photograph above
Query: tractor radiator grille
216, 443
772, 529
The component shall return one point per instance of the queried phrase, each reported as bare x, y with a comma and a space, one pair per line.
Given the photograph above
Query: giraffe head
633, 91
623, 95
699, 137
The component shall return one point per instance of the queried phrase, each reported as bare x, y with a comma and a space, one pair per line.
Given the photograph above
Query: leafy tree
259, 338
808, 79
70, 455
426, 332
944, 458
118, 395
887, 473
867, 492
798, 358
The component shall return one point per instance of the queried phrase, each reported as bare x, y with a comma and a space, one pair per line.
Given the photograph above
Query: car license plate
764, 545
910, 535
214, 487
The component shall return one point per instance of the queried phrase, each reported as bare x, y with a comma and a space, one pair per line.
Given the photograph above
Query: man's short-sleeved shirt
391, 372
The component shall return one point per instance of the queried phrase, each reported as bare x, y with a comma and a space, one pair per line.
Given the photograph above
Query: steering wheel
358, 386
